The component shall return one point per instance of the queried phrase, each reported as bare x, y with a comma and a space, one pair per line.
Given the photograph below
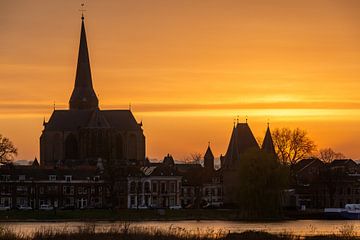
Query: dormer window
52, 177
68, 178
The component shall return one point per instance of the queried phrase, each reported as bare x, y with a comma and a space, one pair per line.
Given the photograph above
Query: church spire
83, 95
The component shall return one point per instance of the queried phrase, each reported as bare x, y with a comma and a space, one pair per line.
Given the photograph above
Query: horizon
187, 78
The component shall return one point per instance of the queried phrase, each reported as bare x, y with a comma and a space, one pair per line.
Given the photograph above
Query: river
298, 227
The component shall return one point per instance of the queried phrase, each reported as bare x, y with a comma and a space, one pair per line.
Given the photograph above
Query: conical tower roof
232, 153
83, 95
268, 144
245, 138
208, 153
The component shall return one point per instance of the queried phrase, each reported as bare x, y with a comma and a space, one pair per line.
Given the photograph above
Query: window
68, 190
5, 178
52, 188
21, 177
96, 178
68, 178
21, 189
41, 190
52, 177
82, 190
132, 200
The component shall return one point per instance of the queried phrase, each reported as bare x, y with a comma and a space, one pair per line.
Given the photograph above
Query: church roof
268, 144
83, 95
71, 120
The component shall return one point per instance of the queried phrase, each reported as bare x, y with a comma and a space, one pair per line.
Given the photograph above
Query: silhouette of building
241, 141
84, 133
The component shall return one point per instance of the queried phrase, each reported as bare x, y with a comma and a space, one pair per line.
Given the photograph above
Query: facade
84, 133
34, 187
156, 186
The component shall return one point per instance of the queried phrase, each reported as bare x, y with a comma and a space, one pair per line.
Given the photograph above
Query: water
298, 227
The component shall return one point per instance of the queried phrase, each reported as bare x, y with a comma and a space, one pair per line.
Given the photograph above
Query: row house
326, 185
154, 187
36, 187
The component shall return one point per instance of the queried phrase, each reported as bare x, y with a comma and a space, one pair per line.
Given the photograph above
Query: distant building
319, 185
37, 187
242, 140
84, 133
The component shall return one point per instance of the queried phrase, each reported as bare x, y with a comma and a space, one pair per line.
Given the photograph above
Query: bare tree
292, 145
327, 155
194, 158
7, 150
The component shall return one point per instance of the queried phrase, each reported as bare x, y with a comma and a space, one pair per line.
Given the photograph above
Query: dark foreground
124, 232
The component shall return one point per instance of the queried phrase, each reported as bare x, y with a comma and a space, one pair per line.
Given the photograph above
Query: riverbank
142, 215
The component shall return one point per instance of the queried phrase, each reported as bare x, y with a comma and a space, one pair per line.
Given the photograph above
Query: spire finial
246, 118
268, 123
54, 105
82, 10
208, 143
237, 119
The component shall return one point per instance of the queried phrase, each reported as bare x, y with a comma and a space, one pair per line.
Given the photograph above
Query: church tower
83, 95
84, 133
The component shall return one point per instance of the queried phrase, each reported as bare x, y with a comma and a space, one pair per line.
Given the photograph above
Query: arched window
119, 147
132, 147
71, 147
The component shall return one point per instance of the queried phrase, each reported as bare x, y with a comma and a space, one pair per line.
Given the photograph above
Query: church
85, 134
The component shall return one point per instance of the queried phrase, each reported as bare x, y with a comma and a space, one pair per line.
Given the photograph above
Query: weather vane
82, 10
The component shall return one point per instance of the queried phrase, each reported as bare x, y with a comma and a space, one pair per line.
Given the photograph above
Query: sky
188, 68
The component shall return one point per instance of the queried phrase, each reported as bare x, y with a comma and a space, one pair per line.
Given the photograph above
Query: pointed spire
83, 95
209, 159
268, 144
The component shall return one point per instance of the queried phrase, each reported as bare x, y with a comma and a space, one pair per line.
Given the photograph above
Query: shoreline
99, 215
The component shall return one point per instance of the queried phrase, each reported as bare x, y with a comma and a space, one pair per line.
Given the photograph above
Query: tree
292, 145
194, 158
7, 150
261, 180
327, 155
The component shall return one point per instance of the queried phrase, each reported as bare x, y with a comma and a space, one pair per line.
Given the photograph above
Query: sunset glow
187, 70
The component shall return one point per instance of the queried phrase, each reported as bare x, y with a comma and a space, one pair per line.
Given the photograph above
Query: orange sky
187, 67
